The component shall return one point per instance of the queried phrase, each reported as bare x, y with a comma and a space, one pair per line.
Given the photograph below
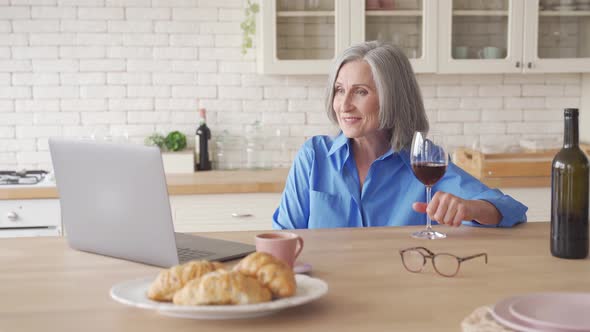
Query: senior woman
363, 176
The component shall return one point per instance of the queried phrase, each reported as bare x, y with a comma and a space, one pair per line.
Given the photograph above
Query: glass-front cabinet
557, 36
301, 36
442, 36
408, 24
305, 36
480, 36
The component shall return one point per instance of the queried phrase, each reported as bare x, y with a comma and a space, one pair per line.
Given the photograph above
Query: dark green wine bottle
569, 194
203, 136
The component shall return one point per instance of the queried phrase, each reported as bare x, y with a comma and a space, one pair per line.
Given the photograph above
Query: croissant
173, 279
222, 287
270, 272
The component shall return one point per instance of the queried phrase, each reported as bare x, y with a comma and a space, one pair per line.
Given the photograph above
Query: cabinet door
223, 212
302, 36
408, 24
538, 200
30, 217
480, 36
557, 37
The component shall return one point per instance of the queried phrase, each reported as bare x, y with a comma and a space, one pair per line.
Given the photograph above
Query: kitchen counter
206, 182
48, 286
235, 181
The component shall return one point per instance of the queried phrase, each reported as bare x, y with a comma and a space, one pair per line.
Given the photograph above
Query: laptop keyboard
187, 254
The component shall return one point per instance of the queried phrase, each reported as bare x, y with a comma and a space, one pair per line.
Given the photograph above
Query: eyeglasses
447, 265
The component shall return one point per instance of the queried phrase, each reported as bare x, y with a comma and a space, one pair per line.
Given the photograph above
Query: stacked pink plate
545, 312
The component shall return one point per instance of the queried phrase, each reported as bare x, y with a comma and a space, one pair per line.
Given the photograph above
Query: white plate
133, 293
563, 311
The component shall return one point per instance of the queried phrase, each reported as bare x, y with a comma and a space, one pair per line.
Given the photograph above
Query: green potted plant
248, 26
155, 139
175, 156
175, 141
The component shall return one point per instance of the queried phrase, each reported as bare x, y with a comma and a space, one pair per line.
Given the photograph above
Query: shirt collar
337, 144
340, 151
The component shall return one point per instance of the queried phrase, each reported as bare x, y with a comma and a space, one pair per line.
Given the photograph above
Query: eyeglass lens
445, 264
413, 260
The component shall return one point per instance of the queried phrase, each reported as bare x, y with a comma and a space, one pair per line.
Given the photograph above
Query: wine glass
429, 163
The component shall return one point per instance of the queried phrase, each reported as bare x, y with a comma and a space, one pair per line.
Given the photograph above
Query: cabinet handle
12, 216
517, 64
241, 215
530, 65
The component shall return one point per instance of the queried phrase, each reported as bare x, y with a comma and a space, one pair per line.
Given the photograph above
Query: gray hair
401, 110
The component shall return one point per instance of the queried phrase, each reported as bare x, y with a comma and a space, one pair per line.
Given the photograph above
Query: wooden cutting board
518, 169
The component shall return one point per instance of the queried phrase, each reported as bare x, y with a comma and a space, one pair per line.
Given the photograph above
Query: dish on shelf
565, 8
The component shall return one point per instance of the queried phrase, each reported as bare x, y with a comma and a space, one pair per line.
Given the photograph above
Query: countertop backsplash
128, 68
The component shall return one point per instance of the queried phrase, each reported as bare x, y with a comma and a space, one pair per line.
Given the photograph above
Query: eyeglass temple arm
474, 256
416, 248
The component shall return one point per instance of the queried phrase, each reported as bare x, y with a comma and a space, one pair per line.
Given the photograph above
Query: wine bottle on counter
202, 138
569, 194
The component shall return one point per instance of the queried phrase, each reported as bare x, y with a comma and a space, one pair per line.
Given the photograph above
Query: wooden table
45, 286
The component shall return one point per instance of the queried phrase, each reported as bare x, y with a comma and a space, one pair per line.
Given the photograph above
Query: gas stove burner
21, 177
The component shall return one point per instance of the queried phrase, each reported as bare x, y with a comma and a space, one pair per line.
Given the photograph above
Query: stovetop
24, 177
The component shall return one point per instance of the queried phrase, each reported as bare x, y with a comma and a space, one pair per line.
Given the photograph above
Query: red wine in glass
429, 173
429, 162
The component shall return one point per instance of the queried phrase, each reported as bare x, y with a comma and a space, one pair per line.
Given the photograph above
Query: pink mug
283, 245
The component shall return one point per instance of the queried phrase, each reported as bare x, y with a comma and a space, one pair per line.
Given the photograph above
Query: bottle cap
202, 113
570, 112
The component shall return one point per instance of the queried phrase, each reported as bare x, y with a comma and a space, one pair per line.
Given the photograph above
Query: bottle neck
202, 121
570, 134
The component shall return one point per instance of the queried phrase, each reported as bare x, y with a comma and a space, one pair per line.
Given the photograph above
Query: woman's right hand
446, 209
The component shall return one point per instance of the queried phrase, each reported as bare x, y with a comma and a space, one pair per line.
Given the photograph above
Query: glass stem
428, 196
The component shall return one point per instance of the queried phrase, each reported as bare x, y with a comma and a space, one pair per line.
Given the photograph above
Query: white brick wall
37, 106
36, 79
4, 52
130, 67
83, 26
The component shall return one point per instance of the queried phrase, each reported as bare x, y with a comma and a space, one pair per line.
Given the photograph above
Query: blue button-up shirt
323, 190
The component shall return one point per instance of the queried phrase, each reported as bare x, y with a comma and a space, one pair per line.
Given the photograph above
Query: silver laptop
114, 201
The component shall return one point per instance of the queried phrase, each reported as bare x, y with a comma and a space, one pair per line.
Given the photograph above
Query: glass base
429, 234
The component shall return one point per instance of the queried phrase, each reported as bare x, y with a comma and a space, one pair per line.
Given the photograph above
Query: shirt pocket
328, 210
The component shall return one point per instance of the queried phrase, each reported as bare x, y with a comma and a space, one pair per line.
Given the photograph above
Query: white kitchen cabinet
480, 36
224, 212
538, 200
512, 36
585, 108
305, 36
556, 40
301, 37
443, 36
409, 24
30, 217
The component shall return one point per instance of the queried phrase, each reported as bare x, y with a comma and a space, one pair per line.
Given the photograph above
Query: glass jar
256, 155
228, 151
